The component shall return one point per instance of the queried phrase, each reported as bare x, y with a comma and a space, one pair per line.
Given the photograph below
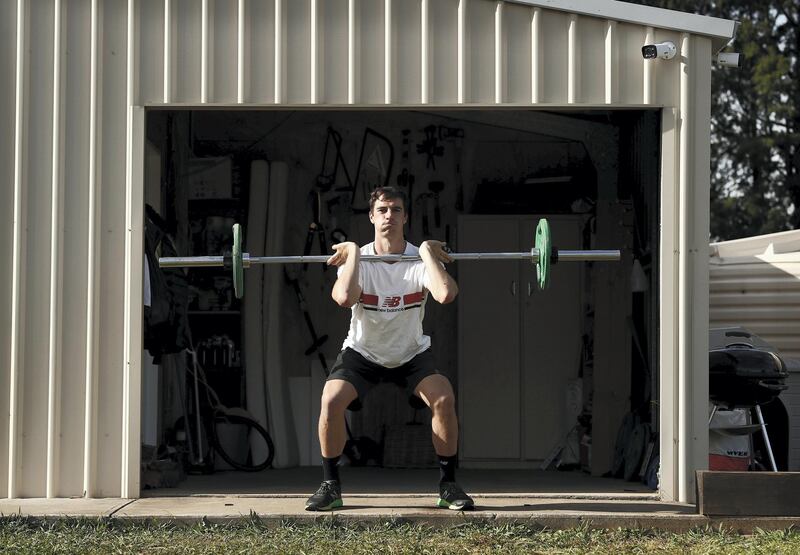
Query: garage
282, 116
480, 180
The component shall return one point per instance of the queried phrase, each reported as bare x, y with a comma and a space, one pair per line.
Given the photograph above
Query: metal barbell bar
247, 260
542, 254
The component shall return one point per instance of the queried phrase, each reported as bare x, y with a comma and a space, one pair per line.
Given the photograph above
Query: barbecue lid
737, 352
723, 338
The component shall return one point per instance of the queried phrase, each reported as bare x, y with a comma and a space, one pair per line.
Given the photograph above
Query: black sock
330, 468
447, 468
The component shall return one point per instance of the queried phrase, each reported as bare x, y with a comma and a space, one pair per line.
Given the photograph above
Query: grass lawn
30, 535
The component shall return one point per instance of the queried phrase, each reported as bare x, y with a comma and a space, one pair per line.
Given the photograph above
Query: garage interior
557, 390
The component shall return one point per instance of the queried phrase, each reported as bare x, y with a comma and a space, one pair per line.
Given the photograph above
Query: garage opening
557, 390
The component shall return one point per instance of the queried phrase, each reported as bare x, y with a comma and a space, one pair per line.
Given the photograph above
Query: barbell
542, 254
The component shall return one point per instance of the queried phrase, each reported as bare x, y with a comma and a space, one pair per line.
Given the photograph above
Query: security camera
663, 50
730, 59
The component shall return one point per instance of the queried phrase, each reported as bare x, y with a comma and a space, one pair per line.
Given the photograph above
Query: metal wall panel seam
684, 330
240, 33
611, 62
536, 66
351, 51
167, 50
314, 52
424, 63
127, 438
648, 70
461, 48
498, 53
54, 328
17, 281
387, 51
278, 52
89, 448
204, 52
572, 59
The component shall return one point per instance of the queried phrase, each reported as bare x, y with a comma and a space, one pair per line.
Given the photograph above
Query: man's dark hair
388, 193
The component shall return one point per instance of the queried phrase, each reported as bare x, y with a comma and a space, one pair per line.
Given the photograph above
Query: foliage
755, 118
29, 535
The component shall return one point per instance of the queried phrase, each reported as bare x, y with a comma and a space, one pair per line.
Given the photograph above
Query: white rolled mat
275, 293
252, 303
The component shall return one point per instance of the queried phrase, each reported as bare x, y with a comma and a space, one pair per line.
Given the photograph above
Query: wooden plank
748, 493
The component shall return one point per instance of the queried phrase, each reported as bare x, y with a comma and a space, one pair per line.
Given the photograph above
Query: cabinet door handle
530, 288
513, 288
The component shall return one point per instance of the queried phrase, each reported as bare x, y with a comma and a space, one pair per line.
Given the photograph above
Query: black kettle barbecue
744, 370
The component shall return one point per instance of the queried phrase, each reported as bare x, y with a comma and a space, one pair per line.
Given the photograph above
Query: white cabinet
518, 346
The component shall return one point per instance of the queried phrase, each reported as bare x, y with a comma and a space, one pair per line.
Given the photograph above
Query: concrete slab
538, 512
552, 513
62, 507
368, 480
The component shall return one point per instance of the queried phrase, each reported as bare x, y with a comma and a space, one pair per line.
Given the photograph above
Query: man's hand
436, 249
441, 285
343, 252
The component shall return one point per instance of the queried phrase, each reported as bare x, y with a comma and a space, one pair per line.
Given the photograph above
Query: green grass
30, 535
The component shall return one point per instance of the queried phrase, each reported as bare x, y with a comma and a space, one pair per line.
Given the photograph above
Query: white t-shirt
386, 322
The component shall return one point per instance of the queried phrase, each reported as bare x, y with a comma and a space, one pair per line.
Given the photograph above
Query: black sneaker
451, 496
328, 496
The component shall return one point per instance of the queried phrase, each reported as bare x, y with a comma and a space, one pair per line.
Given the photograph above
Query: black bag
166, 324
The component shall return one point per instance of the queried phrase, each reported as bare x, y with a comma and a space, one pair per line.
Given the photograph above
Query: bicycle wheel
244, 444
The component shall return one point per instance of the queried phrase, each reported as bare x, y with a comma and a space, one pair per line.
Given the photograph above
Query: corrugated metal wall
69, 157
761, 292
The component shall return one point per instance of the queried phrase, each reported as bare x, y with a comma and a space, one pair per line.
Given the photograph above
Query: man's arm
346, 291
443, 287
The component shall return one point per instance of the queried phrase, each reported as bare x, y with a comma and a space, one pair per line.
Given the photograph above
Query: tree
755, 118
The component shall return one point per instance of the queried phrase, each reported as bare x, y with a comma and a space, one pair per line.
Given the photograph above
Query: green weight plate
544, 245
238, 267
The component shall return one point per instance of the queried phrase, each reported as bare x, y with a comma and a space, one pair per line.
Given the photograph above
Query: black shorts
364, 374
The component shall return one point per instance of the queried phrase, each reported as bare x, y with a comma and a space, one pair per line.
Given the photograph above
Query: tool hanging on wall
431, 147
374, 168
436, 187
455, 134
317, 341
422, 202
405, 179
326, 180
316, 229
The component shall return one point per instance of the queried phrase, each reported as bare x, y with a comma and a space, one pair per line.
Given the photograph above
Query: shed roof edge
721, 31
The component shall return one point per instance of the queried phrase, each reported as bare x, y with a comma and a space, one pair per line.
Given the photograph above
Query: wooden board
748, 493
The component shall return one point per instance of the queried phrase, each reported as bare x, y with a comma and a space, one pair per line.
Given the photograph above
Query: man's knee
336, 396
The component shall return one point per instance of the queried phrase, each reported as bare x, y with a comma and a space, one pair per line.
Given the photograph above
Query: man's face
388, 216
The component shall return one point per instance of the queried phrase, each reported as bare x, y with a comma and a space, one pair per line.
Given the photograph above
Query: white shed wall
71, 159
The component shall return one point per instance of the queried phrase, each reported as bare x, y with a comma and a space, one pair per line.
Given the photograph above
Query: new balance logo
391, 302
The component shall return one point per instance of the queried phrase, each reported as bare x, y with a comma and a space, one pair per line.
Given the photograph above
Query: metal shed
755, 283
77, 77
